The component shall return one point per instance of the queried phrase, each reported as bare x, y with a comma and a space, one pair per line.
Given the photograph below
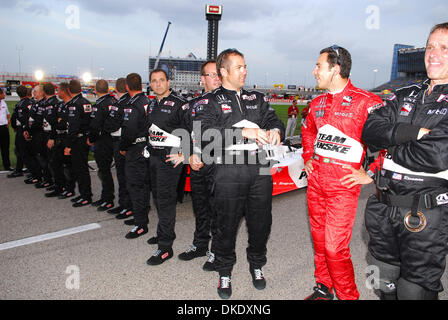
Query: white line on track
48, 236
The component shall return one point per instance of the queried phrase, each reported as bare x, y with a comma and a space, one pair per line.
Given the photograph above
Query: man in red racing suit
331, 138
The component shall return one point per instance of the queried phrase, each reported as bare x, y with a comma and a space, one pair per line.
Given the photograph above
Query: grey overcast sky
281, 39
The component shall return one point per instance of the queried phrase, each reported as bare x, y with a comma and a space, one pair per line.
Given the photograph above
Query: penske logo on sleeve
333, 143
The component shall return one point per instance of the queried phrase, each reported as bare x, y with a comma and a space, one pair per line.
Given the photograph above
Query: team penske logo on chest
335, 144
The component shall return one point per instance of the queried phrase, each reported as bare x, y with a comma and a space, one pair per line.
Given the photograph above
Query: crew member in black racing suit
79, 109
33, 133
408, 218
112, 125
19, 118
60, 164
243, 183
165, 116
48, 122
103, 147
134, 135
201, 181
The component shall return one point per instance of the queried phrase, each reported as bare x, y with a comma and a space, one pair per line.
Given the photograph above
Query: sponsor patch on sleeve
374, 107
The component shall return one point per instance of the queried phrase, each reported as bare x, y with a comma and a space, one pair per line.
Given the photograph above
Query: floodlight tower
213, 15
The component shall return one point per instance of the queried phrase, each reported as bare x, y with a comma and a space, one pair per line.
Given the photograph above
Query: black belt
426, 200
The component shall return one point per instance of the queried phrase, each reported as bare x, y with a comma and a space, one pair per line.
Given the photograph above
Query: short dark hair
340, 56
134, 81
49, 89
74, 86
158, 70
22, 91
120, 85
102, 86
63, 86
222, 60
440, 26
205, 64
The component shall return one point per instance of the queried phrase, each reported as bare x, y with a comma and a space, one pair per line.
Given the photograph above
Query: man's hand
123, 153
26, 135
195, 162
422, 132
274, 137
356, 177
50, 143
256, 134
309, 167
176, 158
67, 151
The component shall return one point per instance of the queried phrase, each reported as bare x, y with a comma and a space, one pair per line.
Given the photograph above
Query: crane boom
161, 47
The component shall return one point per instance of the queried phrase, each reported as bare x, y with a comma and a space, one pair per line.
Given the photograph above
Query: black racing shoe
321, 292
81, 203
124, 214
258, 279
136, 232
32, 180
67, 194
130, 222
106, 205
53, 194
225, 287
160, 256
43, 184
75, 199
193, 252
98, 202
116, 210
153, 240
15, 174
209, 264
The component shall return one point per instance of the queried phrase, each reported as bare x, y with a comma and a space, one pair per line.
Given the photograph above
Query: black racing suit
243, 186
413, 178
48, 123
35, 147
103, 148
19, 119
60, 164
112, 125
167, 115
134, 135
201, 183
79, 110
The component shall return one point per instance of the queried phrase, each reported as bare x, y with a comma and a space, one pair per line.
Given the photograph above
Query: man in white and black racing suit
407, 220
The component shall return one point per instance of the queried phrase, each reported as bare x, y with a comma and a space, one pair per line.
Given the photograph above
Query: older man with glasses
333, 154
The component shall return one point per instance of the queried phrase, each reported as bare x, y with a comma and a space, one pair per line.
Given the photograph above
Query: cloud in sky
280, 39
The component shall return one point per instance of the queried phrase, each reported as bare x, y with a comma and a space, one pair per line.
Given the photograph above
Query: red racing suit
331, 137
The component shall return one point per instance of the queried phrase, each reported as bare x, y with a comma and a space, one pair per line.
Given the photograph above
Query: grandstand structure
408, 67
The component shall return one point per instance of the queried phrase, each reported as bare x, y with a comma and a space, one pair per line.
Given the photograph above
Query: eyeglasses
211, 75
335, 49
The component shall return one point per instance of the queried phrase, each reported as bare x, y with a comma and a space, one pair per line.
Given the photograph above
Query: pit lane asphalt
112, 267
